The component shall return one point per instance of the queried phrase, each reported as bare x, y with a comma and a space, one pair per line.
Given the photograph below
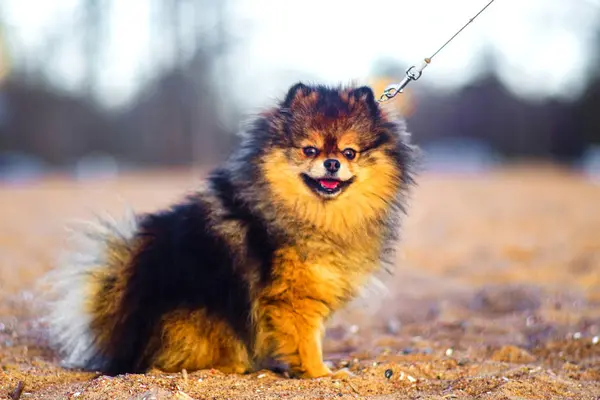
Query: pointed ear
365, 96
364, 93
296, 92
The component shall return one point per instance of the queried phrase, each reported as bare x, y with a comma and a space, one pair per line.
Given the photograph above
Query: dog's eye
310, 151
349, 154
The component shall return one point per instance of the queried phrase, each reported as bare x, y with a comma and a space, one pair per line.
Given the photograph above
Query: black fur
369, 98
182, 265
261, 243
295, 91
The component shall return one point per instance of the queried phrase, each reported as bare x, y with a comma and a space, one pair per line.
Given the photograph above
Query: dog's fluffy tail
101, 250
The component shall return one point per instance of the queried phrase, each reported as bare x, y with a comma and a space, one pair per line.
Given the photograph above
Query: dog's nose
332, 165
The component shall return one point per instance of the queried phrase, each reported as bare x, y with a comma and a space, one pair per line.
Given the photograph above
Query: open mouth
326, 187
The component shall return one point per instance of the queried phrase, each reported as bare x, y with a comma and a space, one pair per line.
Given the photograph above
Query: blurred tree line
174, 120
179, 117
485, 111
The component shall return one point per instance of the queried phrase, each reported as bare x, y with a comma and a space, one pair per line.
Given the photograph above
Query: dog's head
334, 152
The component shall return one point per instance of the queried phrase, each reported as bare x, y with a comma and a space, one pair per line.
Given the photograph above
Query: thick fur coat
250, 266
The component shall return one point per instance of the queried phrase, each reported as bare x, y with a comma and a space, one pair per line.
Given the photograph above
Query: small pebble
261, 376
389, 373
76, 394
411, 379
577, 335
596, 340
449, 352
353, 329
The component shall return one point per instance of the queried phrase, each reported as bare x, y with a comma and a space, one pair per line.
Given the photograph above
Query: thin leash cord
414, 72
462, 29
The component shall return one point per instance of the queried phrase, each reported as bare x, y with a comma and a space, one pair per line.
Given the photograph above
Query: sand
496, 295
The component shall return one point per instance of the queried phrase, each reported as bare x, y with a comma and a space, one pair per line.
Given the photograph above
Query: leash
414, 73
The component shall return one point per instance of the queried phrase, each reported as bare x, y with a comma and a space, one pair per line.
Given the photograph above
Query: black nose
332, 165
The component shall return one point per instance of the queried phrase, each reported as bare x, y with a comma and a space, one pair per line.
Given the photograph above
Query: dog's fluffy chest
323, 271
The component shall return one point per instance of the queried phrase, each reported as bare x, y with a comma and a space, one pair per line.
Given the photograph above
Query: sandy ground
496, 295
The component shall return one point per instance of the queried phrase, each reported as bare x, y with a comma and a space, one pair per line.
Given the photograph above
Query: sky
542, 46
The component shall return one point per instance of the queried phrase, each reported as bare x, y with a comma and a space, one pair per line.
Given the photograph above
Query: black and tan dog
251, 265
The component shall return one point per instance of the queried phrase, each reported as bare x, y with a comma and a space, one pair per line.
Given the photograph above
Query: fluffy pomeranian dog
250, 266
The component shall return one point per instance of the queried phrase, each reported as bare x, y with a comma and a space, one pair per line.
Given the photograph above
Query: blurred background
107, 103
98, 87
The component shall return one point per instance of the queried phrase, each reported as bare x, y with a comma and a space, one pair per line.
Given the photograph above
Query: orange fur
310, 282
192, 340
367, 201
349, 139
324, 269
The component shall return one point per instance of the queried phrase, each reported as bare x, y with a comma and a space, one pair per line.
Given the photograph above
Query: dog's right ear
365, 96
296, 94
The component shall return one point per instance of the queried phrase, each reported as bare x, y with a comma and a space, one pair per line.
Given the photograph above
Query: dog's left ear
364, 95
297, 94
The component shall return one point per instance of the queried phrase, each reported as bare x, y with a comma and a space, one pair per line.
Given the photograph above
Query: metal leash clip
414, 73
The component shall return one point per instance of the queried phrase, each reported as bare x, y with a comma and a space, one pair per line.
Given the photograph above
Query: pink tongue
329, 183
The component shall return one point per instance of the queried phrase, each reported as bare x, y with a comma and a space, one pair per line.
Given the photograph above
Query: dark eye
310, 151
349, 154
